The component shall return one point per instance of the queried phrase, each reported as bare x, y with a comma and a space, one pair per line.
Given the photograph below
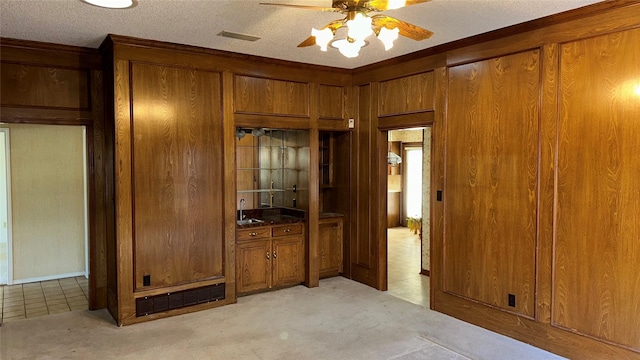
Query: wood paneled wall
596, 286
175, 112
177, 158
489, 194
53, 84
534, 147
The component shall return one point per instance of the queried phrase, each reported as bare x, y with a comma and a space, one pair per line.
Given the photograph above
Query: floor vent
154, 304
238, 36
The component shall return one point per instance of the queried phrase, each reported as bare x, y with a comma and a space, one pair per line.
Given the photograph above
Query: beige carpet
341, 319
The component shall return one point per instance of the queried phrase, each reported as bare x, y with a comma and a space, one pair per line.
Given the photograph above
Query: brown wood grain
331, 102
177, 162
330, 235
40, 86
491, 185
268, 96
597, 245
253, 265
288, 260
406, 95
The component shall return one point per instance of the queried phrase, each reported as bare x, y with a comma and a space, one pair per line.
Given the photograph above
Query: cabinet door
288, 261
331, 248
253, 265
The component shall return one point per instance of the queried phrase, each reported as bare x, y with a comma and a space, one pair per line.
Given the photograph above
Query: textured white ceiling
196, 22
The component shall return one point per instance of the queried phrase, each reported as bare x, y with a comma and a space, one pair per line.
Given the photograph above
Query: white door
5, 200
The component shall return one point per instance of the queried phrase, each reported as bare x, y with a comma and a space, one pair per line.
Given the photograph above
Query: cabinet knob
287, 230
268, 257
275, 255
253, 234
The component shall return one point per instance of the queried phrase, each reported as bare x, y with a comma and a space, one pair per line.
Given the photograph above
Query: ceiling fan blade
406, 29
306, 7
334, 25
381, 5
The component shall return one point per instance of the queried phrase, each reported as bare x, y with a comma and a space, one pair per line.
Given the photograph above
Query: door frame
7, 170
418, 120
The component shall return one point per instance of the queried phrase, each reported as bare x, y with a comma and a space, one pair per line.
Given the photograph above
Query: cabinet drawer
286, 230
254, 233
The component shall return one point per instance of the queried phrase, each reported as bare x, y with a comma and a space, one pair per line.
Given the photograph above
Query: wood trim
333, 125
47, 54
546, 197
438, 144
98, 198
272, 121
403, 121
229, 185
480, 40
530, 331
312, 273
48, 116
123, 196
425, 272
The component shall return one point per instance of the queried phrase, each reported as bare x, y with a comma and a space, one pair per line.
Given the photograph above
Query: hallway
403, 265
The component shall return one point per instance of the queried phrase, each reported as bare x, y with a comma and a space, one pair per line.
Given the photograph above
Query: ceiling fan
361, 24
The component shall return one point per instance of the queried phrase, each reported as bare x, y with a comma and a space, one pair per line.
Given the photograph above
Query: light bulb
388, 36
111, 4
322, 37
395, 4
359, 27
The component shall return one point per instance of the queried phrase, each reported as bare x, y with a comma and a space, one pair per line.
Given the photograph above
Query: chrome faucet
242, 203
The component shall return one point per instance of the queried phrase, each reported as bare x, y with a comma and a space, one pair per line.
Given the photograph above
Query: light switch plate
352, 123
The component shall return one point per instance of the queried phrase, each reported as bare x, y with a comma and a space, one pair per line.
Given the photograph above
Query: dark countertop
326, 215
272, 216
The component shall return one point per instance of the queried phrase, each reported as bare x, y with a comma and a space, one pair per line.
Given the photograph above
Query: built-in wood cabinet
269, 257
167, 136
331, 232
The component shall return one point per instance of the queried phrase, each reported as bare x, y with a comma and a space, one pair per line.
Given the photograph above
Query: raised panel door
288, 261
253, 265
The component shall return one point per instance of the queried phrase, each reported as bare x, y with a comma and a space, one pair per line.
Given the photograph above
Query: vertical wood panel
407, 94
177, 162
597, 245
268, 96
491, 184
37, 86
331, 102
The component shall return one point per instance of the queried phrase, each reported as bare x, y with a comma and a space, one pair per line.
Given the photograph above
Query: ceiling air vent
238, 36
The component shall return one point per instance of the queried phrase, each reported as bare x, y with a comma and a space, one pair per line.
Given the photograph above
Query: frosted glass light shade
111, 4
359, 27
322, 37
388, 36
348, 49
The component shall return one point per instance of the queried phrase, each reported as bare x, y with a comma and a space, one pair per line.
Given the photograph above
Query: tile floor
42, 298
403, 267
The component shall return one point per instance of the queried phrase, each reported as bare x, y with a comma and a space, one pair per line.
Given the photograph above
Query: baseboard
50, 277
425, 272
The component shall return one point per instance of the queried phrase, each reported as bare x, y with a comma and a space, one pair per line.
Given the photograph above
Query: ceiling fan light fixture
111, 4
388, 36
323, 37
359, 27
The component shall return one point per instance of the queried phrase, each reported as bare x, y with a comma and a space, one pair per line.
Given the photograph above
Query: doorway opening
408, 212
5, 209
44, 207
